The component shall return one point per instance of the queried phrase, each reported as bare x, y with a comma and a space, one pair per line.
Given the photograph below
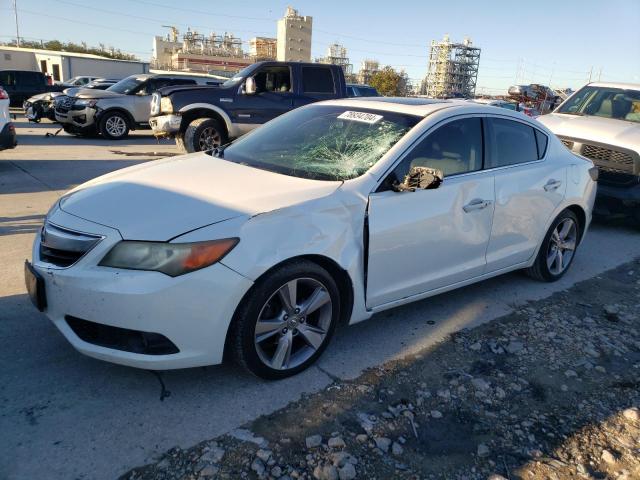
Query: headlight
165, 105
86, 103
172, 259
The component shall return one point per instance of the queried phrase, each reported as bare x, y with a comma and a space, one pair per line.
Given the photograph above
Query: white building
65, 65
294, 37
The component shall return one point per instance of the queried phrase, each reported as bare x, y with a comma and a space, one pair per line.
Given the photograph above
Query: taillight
594, 173
3, 94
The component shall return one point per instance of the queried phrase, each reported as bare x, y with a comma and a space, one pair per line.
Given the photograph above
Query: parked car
120, 108
360, 90
41, 106
325, 215
101, 83
22, 84
203, 118
7, 129
601, 121
78, 81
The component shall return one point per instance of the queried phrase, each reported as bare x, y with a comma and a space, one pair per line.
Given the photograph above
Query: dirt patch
547, 392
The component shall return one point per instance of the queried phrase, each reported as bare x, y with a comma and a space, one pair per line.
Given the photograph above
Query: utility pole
15, 13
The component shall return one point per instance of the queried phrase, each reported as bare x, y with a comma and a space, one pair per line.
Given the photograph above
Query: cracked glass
322, 142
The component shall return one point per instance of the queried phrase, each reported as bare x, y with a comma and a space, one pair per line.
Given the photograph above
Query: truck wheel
204, 134
114, 126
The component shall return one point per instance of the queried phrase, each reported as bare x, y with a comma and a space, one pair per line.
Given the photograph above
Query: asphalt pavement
64, 415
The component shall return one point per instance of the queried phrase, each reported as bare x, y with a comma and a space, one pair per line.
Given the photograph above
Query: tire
203, 134
551, 263
291, 340
114, 125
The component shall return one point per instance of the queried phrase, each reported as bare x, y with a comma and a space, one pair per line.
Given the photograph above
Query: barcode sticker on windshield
364, 117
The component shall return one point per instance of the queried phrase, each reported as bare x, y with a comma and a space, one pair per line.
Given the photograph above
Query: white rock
313, 441
396, 448
263, 455
325, 472
607, 457
632, 414
514, 347
336, 442
475, 346
480, 384
436, 414
348, 472
382, 443
208, 471
483, 450
258, 467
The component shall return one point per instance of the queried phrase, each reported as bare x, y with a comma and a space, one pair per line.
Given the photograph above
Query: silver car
601, 121
120, 108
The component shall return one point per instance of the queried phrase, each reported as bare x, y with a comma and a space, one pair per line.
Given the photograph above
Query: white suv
7, 129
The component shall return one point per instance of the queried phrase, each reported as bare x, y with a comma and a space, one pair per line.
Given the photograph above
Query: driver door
429, 239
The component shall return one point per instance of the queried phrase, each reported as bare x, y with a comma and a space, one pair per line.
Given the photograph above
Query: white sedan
325, 215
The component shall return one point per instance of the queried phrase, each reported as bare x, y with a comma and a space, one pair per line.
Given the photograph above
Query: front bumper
192, 311
617, 199
77, 116
165, 125
8, 137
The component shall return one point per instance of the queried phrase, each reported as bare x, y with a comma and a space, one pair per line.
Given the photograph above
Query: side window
317, 80
181, 81
541, 140
455, 147
511, 143
273, 79
7, 79
30, 79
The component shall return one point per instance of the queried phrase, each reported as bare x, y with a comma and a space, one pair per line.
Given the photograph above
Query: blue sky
553, 42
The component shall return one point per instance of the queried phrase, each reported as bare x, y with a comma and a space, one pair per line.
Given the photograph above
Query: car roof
422, 106
629, 86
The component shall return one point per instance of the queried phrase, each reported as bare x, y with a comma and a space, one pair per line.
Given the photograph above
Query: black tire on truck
202, 134
114, 125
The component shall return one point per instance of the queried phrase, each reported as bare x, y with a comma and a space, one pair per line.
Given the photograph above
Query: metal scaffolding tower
453, 69
337, 55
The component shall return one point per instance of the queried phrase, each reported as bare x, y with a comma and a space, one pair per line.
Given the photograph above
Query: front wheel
202, 134
114, 126
558, 248
286, 321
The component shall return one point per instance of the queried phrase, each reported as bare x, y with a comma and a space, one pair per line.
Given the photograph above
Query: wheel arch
341, 276
190, 114
579, 212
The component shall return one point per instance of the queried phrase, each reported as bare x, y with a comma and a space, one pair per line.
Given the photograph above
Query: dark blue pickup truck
201, 118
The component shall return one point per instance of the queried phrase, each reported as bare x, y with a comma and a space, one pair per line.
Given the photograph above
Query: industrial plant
452, 69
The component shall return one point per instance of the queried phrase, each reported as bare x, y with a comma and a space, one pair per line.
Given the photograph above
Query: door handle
476, 204
552, 185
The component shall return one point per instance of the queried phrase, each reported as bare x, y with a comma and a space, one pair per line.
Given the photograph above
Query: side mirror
420, 178
250, 86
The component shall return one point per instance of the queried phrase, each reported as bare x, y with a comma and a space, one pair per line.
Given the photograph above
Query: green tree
389, 82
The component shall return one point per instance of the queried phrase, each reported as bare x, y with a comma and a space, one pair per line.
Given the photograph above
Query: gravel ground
548, 392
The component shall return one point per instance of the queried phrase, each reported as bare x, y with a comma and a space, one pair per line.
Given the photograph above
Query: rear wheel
114, 126
202, 134
558, 248
286, 321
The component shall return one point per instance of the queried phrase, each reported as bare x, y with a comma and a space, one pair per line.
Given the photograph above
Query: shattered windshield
322, 142
607, 102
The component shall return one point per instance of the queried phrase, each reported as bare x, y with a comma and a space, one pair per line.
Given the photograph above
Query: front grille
123, 339
62, 247
609, 159
63, 103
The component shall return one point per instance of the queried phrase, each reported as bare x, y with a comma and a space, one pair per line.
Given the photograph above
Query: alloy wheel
209, 138
293, 323
116, 126
562, 246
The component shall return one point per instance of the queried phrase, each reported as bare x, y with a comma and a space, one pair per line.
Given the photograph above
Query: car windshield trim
322, 142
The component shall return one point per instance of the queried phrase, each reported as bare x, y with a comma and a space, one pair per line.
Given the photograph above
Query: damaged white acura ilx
325, 215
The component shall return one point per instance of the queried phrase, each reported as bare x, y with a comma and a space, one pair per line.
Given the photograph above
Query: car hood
597, 129
91, 93
164, 199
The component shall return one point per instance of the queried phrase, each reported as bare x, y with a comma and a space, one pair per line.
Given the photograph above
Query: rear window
511, 143
30, 78
317, 80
